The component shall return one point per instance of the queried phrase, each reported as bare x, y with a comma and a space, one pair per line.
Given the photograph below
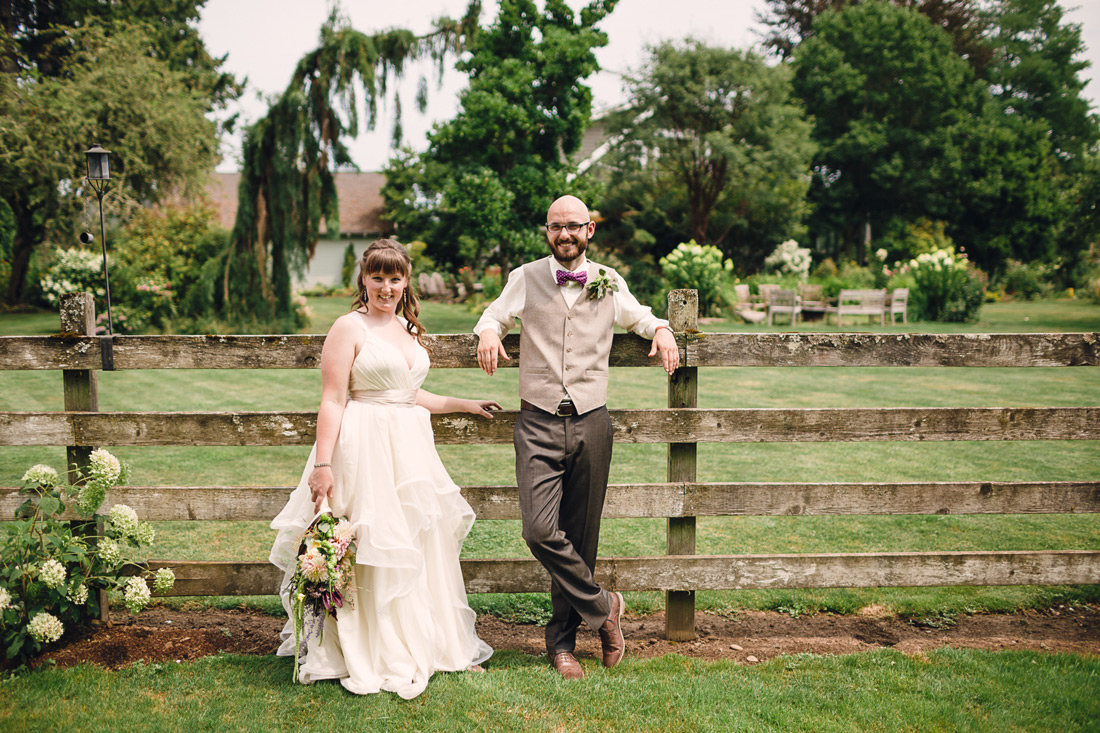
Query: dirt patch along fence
680, 499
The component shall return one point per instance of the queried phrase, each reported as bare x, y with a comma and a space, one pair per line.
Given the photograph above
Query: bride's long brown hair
387, 257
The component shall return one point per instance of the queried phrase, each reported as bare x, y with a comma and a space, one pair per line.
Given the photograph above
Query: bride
375, 463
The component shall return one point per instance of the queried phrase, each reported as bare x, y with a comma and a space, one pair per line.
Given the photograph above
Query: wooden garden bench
859, 303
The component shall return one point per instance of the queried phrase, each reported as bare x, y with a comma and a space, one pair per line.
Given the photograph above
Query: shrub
694, 266
348, 267
906, 240
170, 266
848, 275
947, 287
1027, 280
51, 570
74, 271
789, 259
492, 282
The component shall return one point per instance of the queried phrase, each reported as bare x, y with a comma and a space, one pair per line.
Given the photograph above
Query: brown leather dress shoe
567, 666
611, 633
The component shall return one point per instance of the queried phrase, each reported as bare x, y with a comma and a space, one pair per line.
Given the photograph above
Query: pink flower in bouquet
343, 535
314, 566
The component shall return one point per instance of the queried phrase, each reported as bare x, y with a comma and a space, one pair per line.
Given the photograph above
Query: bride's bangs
386, 262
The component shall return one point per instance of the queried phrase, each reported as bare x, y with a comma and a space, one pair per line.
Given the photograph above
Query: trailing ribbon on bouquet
564, 276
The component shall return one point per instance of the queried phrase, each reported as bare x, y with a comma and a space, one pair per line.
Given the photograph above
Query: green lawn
946, 690
635, 387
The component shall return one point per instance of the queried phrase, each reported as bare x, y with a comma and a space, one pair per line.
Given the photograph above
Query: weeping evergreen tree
287, 182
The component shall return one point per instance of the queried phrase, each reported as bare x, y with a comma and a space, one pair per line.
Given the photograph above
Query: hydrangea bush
789, 259
50, 567
698, 267
947, 287
73, 271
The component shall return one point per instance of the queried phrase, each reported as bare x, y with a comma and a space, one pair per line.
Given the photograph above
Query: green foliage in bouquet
51, 569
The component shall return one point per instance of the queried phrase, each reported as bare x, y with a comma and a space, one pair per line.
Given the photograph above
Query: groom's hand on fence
665, 343
489, 349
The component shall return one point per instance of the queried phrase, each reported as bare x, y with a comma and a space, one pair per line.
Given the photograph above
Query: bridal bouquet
324, 579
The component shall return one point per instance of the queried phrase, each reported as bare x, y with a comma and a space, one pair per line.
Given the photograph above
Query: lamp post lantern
99, 175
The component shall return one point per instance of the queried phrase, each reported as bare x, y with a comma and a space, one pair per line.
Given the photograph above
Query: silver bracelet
321, 465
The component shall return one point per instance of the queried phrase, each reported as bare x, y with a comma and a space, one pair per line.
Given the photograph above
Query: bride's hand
485, 408
320, 483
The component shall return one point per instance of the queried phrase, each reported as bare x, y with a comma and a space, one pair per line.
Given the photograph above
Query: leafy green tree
1036, 74
107, 89
907, 131
289, 157
42, 43
790, 22
483, 185
713, 146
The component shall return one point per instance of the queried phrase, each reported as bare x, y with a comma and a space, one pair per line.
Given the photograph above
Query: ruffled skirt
410, 617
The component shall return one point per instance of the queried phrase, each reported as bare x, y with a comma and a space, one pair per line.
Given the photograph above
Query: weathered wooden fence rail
680, 499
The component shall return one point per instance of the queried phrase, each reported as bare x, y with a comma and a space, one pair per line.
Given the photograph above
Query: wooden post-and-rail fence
682, 426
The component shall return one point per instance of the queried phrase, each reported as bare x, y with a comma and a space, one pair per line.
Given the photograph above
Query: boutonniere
599, 285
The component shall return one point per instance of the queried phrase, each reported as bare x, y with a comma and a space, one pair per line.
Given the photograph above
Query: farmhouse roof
359, 195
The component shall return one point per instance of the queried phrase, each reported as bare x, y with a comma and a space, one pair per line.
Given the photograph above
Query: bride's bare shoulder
347, 326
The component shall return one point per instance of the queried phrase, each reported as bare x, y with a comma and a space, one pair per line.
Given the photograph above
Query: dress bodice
380, 365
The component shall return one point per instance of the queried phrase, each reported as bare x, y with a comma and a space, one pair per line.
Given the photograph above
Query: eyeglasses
572, 227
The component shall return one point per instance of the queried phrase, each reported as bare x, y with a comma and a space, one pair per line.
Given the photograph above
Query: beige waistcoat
564, 351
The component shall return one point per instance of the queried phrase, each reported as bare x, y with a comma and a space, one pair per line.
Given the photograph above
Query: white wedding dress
411, 616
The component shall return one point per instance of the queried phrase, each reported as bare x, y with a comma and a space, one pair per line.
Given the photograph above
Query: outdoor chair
782, 300
898, 301
859, 303
765, 290
749, 310
813, 298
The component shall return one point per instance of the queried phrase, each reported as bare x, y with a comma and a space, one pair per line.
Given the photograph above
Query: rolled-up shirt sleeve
632, 315
502, 313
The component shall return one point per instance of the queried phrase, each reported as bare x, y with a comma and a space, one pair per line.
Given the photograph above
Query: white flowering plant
73, 271
51, 568
947, 286
701, 268
789, 259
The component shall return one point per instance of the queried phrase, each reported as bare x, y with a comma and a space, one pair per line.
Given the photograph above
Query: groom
568, 307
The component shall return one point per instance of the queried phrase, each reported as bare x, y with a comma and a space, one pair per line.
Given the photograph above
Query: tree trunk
22, 248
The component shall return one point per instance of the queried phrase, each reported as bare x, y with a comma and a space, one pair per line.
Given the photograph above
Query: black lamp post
99, 175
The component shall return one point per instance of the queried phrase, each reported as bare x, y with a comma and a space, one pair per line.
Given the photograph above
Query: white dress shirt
629, 313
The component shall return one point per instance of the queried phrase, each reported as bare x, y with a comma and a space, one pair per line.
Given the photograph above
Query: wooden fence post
81, 394
683, 391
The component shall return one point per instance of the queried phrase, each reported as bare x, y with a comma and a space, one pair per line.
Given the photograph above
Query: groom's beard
569, 252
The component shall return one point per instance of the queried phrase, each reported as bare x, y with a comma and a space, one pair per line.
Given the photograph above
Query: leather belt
565, 409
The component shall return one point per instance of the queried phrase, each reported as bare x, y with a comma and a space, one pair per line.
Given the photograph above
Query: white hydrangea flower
124, 520
136, 596
45, 628
80, 595
164, 580
145, 534
42, 474
52, 573
789, 258
109, 551
5, 598
105, 466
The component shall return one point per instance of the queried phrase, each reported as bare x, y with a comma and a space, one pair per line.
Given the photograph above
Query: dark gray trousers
562, 465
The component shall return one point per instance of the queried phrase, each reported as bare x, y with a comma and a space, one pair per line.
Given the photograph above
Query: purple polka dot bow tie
565, 276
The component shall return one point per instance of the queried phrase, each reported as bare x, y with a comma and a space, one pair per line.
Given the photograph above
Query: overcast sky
265, 38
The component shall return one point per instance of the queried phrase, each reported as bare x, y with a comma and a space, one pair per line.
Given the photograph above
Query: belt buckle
569, 407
